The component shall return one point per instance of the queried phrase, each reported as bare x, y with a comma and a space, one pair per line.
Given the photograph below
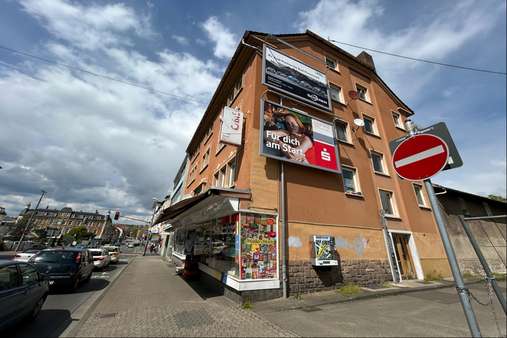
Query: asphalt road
56, 314
429, 313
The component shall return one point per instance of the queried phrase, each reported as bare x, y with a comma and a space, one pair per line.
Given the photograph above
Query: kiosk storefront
238, 248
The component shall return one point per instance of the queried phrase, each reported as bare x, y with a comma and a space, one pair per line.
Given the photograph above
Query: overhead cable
421, 60
107, 77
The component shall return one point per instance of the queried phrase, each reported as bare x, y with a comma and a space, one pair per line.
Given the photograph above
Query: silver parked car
23, 291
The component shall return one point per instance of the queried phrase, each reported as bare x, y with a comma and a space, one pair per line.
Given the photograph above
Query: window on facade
350, 181
419, 195
205, 159
331, 63
231, 173
342, 132
369, 125
397, 120
336, 93
199, 189
386, 198
377, 160
362, 92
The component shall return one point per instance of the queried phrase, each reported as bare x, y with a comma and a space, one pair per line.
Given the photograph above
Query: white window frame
333, 60
373, 125
231, 174
341, 99
347, 131
384, 171
424, 201
398, 123
205, 159
394, 205
357, 184
366, 93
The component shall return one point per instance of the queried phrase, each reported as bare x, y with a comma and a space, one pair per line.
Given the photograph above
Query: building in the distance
291, 178
57, 222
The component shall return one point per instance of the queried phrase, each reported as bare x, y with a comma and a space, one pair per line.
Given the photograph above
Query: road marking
419, 156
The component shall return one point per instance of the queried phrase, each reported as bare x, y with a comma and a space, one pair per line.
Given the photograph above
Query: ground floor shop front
240, 250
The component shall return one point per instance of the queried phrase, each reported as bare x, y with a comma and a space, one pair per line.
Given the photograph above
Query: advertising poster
232, 126
324, 253
293, 77
291, 136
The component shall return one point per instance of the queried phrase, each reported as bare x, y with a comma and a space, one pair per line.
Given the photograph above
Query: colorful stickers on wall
258, 246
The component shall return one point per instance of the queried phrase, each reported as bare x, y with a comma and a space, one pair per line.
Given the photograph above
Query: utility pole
29, 221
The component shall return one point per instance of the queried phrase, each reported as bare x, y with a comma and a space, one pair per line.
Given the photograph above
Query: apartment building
307, 199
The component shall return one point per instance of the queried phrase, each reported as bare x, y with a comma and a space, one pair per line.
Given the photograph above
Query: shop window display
258, 246
216, 245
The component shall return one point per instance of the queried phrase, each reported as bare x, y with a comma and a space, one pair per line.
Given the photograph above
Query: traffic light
117, 215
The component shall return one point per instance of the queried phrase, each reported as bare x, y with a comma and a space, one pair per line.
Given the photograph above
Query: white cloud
180, 39
225, 41
88, 27
433, 37
90, 142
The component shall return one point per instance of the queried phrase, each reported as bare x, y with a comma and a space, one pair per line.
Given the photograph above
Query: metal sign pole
283, 235
489, 276
463, 292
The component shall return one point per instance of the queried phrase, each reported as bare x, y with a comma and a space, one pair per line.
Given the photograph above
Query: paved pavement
149, 299
423, 313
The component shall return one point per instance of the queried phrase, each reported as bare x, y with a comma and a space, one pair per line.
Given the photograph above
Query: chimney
366, 59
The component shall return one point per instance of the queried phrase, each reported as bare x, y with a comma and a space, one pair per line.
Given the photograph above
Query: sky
97, 144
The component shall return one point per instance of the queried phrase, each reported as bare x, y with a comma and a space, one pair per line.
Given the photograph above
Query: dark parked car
22, 292
64, 267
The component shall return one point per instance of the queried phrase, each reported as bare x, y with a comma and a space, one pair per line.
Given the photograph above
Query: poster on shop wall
232, 126
290, 76
289, 135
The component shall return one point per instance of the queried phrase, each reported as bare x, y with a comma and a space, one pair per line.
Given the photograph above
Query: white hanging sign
232, 126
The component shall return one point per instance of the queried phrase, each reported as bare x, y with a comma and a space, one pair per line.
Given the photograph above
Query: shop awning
214, 203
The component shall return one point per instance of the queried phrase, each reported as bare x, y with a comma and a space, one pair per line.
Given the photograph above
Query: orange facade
317, 201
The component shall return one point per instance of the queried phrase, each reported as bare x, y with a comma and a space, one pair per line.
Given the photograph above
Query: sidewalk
148, 299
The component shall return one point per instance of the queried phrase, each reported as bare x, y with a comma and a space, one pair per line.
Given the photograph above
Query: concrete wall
491, 238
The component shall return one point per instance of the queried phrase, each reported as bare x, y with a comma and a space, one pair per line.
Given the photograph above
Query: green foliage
349, 289
387, 285
497, 198
432, 276
247, 304
499, 276
468, 275
78, 233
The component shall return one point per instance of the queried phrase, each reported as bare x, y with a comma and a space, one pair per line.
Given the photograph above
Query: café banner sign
292, 136
295, 78
232, 126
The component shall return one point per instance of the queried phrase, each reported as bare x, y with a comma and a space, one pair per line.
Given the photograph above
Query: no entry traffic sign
420, 157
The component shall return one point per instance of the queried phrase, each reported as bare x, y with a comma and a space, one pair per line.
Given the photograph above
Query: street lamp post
29, 221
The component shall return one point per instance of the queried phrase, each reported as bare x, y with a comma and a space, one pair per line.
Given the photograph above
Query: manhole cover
106, 315
193, 318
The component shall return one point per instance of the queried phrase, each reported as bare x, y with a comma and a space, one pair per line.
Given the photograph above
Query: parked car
64, 267
25, 255
113, 251
23, 291
101, 258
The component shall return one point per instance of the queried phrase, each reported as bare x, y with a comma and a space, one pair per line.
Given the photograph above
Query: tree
497, 198
78, 234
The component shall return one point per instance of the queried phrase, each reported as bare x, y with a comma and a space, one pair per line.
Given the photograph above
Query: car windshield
112, 249
96, 253
56, 256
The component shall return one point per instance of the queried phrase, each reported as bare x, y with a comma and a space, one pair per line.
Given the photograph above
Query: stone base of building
304, 277
214, 286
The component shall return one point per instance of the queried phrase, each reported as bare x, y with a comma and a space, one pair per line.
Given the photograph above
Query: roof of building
468, 194
360, 60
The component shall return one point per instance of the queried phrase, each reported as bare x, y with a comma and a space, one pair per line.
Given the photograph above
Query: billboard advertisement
232, 126
293, 77
290, 135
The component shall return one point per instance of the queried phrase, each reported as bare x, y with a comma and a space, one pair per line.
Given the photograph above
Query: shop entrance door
403, 255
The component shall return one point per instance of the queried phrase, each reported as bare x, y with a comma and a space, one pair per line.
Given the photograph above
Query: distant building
7, 223
58, 222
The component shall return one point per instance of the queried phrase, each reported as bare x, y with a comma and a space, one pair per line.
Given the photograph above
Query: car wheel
37, 308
